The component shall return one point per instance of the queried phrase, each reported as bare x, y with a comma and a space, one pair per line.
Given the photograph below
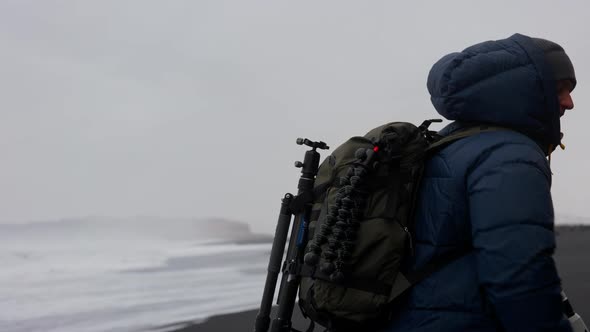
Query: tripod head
312, 157
309, 167
314, 145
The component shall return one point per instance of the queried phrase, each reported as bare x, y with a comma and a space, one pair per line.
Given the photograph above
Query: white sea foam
122, 284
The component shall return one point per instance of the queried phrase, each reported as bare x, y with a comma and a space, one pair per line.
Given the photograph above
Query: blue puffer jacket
489, 194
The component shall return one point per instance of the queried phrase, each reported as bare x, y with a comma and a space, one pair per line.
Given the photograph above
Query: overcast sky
192, 108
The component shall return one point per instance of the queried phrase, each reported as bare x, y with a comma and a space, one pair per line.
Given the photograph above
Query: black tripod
300, 207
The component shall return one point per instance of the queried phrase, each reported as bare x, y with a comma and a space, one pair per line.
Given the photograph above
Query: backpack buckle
428, 134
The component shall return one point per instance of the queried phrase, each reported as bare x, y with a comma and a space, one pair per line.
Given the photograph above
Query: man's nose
566, 101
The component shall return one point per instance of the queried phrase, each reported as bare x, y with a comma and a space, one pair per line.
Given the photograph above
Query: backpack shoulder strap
408, 279
470, 131
413, 277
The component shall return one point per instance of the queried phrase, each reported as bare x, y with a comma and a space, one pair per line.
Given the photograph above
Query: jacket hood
504, 82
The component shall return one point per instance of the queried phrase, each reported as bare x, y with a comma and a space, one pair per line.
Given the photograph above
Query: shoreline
573, 248
239, 321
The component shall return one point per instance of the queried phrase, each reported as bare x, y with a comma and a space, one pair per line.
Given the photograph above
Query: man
488, 195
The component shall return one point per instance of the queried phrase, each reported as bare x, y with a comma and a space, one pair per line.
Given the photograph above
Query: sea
120, 275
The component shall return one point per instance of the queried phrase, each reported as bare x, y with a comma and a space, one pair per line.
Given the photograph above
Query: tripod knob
298, 164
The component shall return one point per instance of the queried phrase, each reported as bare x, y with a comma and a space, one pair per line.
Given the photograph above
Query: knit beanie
559, 62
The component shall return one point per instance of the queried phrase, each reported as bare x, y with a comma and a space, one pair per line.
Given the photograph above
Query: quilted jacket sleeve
512, 218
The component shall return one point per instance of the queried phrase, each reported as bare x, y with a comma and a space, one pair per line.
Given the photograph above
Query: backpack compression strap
368, 285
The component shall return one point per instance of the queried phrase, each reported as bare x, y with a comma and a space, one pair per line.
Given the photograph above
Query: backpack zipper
405, 228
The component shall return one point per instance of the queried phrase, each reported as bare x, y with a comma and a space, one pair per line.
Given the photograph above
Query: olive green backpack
361, 223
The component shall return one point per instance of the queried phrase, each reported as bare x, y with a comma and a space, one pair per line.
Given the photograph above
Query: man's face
564, 89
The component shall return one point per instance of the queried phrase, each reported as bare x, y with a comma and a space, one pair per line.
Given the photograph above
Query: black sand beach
572, 258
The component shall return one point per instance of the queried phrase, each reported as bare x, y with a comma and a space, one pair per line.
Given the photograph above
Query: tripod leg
274, 265
291, 279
